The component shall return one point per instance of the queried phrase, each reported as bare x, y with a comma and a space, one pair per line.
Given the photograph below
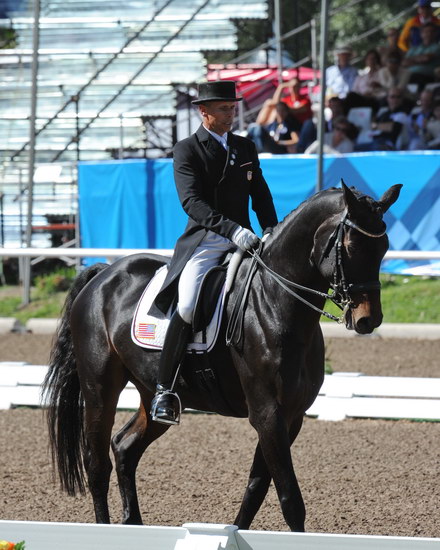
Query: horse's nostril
365, 325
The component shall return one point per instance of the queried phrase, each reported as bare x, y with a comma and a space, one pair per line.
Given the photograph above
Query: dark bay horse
272, 375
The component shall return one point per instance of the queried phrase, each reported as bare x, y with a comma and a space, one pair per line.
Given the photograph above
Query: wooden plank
71, 536
263, 540
338, 408
411, 409
348, 384
397, 387
22, 374
342, 394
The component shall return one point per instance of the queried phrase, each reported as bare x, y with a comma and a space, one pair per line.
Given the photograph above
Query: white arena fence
119, 252
193, 536
343, 395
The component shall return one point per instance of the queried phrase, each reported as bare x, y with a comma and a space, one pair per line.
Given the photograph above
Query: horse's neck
289, 250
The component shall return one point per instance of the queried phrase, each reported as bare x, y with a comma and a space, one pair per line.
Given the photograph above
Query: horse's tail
62, 395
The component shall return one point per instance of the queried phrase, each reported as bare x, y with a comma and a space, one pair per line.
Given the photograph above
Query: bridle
341, 290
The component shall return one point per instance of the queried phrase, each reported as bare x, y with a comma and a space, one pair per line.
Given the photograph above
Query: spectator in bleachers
422, 60
432, 135
296, 99
391, 46
418, 119
365, 83
389, 127
308, 133
339, 140
410, 35
340, 77
393, 75
277, 137
366, 89
289, 93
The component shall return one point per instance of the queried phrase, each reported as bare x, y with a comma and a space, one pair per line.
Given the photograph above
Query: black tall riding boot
165, 406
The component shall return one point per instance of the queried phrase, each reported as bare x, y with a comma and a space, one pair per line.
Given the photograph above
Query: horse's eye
349, 247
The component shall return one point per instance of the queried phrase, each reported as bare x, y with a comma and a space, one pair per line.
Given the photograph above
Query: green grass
404, 299
46, 307
47, 297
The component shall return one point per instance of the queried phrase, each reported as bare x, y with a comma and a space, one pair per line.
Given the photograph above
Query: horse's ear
349, 197
389, 197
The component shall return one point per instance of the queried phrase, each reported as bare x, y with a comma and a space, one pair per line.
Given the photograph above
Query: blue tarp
134, 204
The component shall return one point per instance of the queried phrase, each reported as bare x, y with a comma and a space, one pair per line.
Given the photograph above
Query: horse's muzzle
362, 319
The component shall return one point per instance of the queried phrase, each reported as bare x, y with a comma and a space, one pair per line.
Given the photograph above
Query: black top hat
219, 90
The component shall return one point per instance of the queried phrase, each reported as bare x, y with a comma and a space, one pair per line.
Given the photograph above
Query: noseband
341, 295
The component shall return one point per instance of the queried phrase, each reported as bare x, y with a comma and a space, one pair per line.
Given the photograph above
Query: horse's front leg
256, 490
275, 438
259, 481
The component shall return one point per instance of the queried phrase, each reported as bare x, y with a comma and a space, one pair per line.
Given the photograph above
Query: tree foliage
8, 38
349, 20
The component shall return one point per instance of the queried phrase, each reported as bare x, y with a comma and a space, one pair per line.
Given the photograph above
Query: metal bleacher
111, 78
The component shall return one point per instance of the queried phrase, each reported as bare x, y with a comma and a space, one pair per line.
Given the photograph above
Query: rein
341, 290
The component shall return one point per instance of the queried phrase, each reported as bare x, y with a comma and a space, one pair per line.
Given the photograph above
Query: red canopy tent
256, 83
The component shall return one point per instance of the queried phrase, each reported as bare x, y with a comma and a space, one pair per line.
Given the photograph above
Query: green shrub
58, 281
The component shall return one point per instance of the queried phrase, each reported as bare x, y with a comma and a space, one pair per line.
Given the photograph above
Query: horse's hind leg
256, 490
101, 395
99, 421
128, 447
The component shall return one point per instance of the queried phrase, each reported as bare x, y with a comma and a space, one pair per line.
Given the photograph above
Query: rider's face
218, 116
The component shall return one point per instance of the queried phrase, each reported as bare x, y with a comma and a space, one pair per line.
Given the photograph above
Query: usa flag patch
146, 330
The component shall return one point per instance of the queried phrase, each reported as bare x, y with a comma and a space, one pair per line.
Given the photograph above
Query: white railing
343, 395
119, 252
193, 536
79, 252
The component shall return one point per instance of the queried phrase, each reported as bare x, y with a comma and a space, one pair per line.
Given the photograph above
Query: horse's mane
332, 193
326, 193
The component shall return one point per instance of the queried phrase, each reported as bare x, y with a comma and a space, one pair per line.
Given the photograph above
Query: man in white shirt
341, 76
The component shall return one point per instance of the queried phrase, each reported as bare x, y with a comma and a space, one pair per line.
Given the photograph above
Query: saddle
149, 330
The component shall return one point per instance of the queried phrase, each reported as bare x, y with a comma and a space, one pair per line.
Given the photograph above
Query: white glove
244, 239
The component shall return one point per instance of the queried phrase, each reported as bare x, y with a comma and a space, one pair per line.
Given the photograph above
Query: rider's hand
245, 239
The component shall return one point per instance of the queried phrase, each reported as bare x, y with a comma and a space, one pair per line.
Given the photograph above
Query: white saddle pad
149, 332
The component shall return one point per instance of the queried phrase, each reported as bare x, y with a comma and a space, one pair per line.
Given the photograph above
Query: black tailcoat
214, 187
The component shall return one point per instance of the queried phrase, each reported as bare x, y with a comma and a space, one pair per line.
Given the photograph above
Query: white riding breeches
206, 255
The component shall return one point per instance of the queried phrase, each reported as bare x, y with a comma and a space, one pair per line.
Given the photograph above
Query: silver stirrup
156, 403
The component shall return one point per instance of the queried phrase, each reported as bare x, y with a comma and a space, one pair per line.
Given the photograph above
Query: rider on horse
216, 172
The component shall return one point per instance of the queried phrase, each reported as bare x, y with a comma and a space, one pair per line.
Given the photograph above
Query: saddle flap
207, 298
148, 330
